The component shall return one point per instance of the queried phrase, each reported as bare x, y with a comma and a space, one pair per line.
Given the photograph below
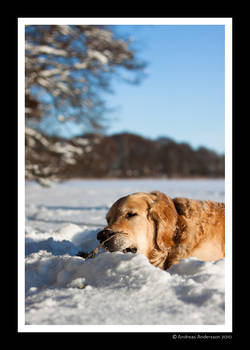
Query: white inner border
227, 327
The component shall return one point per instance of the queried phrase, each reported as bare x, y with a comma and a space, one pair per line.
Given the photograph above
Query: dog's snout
104, 234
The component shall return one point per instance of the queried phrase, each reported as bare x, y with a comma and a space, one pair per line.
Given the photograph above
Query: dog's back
204, 227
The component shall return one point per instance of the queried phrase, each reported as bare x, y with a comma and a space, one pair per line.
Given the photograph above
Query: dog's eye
130, 215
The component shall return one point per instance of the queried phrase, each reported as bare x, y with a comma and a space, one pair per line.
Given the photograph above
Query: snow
113, 288
45, 49
97, 55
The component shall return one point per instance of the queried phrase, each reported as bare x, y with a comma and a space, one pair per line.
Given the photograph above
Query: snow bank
112, 288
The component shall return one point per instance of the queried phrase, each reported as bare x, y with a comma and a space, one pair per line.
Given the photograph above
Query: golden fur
164, 229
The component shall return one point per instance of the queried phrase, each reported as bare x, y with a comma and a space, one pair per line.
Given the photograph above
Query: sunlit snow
113, 288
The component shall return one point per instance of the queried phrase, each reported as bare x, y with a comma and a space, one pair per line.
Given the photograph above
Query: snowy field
113, 288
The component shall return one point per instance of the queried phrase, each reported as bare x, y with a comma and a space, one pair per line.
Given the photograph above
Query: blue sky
182, 96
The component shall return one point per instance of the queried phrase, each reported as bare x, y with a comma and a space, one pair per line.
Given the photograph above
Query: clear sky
182, 96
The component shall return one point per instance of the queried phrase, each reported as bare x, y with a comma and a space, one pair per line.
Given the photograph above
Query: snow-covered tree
66, 68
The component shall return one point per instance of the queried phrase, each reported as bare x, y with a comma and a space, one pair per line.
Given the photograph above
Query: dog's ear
164, 215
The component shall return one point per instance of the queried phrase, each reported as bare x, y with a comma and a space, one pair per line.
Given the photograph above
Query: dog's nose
104, 234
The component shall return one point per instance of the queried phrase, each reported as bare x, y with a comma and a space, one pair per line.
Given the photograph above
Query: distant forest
122, 155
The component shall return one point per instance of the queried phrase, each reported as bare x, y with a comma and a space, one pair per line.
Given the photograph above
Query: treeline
119, 155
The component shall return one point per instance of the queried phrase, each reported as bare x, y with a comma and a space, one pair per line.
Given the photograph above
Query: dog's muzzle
116, 243
104, 235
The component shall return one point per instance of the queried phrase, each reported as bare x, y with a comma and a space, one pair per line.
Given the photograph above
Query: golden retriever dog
164, 229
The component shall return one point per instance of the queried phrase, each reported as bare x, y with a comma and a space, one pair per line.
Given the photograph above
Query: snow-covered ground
113, 288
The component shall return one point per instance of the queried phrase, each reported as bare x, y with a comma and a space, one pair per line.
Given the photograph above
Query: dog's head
140, 222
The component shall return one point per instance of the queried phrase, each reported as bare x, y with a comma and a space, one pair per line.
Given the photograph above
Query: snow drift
113, 288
